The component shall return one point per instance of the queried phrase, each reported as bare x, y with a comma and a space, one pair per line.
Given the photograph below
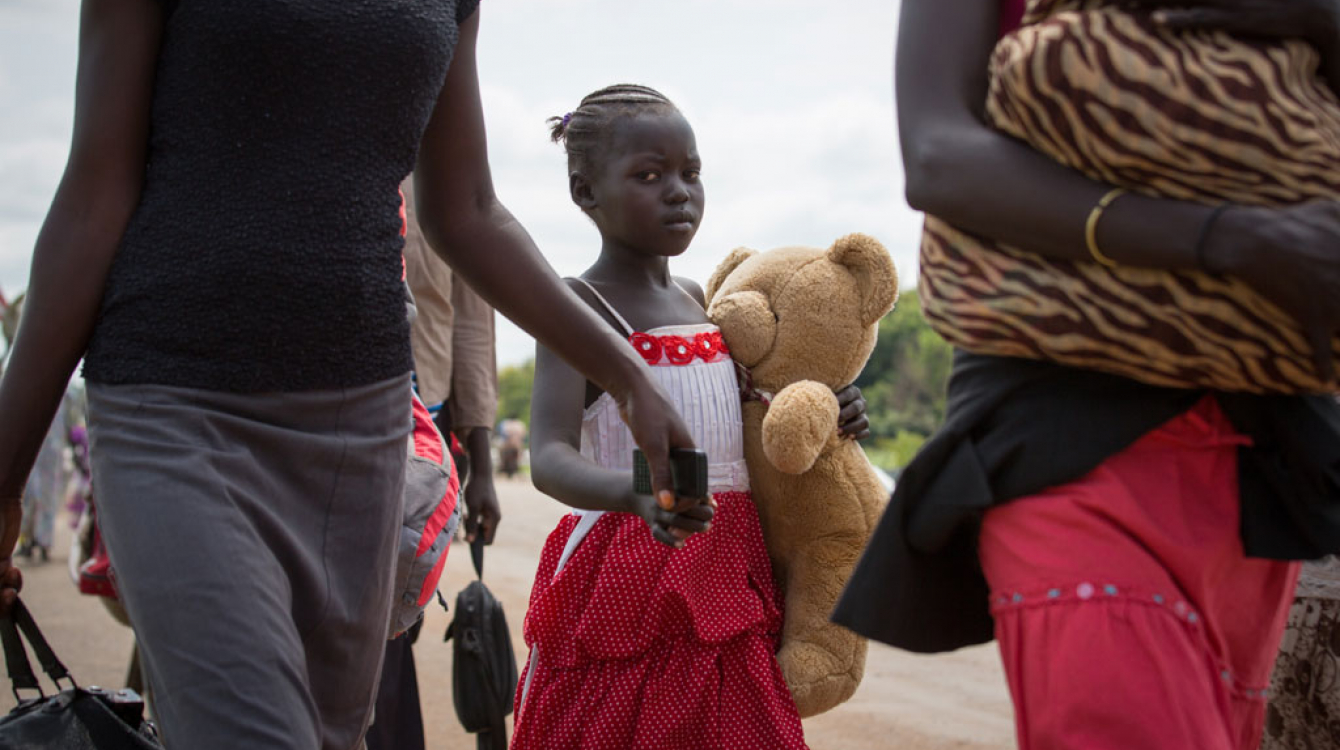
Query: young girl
653, 622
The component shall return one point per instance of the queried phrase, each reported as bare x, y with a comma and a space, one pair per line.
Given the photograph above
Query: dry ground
907, 701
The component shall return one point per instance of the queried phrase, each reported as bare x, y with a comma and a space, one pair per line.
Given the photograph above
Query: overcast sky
791, 101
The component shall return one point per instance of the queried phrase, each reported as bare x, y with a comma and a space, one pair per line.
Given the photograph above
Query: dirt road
907, 701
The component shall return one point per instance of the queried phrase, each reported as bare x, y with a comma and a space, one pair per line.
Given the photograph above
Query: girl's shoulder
694, 290
586, 291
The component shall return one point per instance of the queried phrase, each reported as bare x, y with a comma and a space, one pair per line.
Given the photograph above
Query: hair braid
585, 130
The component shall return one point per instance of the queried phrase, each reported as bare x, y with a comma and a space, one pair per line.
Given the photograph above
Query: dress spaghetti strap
625, 329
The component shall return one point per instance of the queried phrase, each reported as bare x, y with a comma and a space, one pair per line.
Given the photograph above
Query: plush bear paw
820, 679
801, 422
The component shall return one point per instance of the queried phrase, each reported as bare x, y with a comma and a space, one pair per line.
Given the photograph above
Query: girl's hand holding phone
674, 517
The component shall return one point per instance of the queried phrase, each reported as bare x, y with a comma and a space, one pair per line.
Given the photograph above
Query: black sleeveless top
265, 253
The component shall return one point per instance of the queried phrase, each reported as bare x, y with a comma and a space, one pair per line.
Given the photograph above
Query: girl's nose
676, 191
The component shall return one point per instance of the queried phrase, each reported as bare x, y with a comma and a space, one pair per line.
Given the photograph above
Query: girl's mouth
681, 222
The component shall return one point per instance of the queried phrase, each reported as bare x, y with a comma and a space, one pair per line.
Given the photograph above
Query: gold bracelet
1091, 226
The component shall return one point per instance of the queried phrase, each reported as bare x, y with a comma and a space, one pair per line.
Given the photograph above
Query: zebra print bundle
1197, 116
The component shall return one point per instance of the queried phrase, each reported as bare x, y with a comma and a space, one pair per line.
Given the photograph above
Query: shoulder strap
625, 329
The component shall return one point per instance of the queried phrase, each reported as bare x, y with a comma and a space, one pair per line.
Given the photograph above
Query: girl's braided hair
586, 129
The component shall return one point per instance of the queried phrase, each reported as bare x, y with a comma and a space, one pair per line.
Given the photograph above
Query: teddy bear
802, 322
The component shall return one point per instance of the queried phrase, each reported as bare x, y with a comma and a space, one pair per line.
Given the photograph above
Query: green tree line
903, 384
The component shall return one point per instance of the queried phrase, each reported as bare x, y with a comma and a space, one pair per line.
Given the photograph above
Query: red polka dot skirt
635, 645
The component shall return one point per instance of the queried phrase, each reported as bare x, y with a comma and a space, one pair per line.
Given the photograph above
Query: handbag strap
477, 556
20, 621
46, 656
21, 675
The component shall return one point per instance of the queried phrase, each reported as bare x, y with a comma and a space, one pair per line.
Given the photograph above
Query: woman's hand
1317, 21
1289, 256
852, 421
656, 428
11, 579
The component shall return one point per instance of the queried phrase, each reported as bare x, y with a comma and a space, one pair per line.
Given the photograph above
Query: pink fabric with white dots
1126, 612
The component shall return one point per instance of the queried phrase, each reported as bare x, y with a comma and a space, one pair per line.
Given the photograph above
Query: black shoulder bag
75, 718
483, 669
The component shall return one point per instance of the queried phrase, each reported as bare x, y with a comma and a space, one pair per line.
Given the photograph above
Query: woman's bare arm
963, 171
560, 471
966, 173
118, 50
467, 225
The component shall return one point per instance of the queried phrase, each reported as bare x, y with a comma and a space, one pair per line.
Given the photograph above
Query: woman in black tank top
224, 249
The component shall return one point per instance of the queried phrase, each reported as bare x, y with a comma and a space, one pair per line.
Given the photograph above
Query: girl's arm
560, 471
118, 50
966, 173
463, 220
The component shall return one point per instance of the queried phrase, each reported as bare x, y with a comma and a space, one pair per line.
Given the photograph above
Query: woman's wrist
627, 374
1231, 245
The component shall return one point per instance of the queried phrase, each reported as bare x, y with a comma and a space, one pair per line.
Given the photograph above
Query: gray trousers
253, 539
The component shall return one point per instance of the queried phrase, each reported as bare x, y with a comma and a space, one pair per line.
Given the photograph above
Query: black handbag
483, 669
75, 718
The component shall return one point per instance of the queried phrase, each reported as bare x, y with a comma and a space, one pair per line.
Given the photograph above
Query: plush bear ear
747, 323
873, 269
732, 262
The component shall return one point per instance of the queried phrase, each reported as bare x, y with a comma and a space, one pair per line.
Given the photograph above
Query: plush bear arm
801, 422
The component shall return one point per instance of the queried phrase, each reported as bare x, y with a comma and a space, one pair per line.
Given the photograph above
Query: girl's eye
692, 175
648, 176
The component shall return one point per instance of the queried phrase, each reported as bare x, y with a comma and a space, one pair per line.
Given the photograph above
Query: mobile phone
688, 471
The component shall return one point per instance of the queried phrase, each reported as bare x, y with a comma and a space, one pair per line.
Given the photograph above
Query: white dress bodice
705, 392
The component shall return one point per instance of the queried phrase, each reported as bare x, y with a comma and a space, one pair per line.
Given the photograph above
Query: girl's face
648, 195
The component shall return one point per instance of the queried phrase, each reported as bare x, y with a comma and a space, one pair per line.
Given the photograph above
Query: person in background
1304, 708
455, 367
455, 373
45, 491
513, 443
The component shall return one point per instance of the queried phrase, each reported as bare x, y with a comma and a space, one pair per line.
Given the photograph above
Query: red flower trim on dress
704, 346
720, 342
678, 350
647, 346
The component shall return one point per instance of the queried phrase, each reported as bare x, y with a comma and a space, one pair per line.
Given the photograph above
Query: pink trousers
1126, 612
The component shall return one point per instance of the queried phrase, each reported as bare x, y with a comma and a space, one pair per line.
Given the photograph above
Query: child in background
663, 638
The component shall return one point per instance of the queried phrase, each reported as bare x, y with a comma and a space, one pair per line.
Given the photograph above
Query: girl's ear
580, 190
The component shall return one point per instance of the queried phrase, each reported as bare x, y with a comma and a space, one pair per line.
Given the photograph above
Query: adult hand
11, 578
483, 512
482, 509
1317, 21
656, 428
853, 424
1288, 255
